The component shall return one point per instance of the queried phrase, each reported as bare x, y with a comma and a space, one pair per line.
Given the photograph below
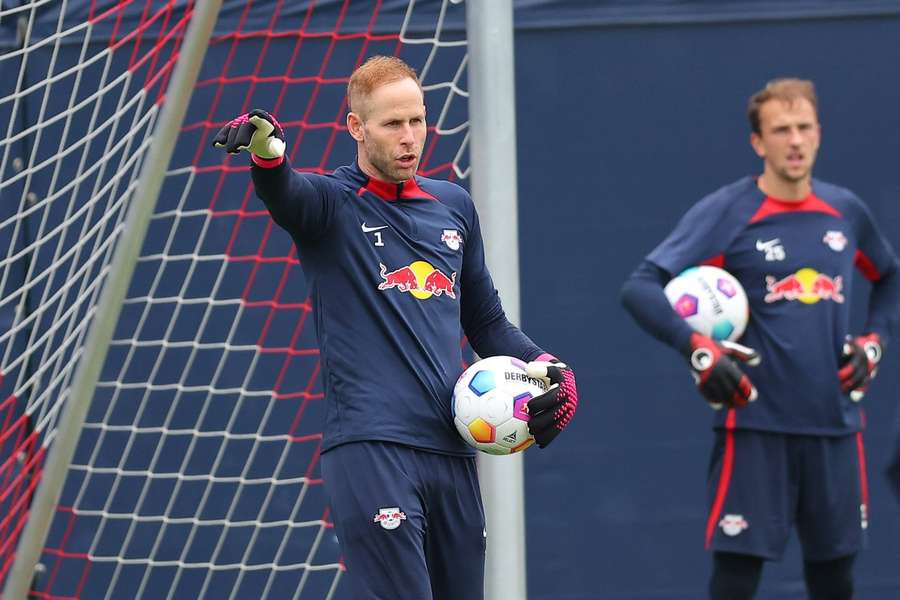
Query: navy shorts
762, 484
410, 522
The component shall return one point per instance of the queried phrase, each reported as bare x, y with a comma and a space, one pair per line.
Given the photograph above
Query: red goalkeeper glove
714, 366
258, 132
551, 412
859, 364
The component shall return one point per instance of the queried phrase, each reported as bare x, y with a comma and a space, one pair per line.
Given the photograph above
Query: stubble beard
384, 164
789, 177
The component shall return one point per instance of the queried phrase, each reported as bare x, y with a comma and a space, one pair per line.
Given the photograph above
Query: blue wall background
620, 130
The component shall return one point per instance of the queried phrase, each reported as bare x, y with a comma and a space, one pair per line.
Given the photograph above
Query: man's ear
355, 126
756, 143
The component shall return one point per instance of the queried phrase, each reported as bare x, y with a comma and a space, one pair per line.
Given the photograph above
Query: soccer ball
490, 404
711, 300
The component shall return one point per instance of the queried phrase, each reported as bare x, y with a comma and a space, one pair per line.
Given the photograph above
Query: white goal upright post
492, 151
160, 432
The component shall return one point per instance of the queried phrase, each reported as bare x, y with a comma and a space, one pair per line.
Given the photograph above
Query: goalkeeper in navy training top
788, 433
396, 270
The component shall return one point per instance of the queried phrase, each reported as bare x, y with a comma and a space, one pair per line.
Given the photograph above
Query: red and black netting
196, 474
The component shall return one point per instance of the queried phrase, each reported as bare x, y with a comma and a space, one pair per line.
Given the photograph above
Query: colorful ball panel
482, 431
482, 383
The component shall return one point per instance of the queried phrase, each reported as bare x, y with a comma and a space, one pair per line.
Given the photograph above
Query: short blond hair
787, 90
375, 72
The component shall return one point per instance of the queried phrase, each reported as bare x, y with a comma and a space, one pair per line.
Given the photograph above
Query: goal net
196, 474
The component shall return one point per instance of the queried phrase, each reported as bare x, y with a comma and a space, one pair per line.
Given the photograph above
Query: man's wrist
266, 163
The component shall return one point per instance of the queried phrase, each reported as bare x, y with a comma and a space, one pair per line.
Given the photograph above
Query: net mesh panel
196, 474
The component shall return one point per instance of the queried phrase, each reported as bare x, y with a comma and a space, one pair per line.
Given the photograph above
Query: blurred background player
395, 264
788, 444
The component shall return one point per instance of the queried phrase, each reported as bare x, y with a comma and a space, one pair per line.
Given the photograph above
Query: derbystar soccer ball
489, 404
711, 300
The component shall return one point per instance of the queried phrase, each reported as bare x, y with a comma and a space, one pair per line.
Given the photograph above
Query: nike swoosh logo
761, 245
371, 229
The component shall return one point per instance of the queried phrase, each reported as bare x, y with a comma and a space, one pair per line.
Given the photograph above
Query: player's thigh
832, 516
455, 535
751, 496
379, 519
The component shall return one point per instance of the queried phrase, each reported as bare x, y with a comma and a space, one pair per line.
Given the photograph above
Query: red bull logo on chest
420, 278
806, 285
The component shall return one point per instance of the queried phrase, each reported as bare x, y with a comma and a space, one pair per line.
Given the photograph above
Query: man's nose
407, 136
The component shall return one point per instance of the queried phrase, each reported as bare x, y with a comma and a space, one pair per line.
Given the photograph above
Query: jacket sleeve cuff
266, 163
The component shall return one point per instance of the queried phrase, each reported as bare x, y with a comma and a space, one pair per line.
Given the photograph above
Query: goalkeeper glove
859, 363
717, 374
550, 412
257, 132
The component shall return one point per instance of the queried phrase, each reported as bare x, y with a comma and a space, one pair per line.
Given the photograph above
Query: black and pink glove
717, 374
257, 132
551, 412
859, 364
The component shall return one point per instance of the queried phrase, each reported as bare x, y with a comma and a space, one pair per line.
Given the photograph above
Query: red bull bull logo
420, 279
806, 285
389, 518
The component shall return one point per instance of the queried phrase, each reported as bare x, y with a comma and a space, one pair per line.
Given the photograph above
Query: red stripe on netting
9, 405
256, 79
426, 159
19, 509
272, 309
311, 467
154, 75
225, 168
167, 33
94, 18
432, 144
221, 86
724, 478
369, 37
20, 471
448, 167
278, 305
136, 32
60, 553
258, 259
24, 457
236, 227
289, 352
263, 260
227, 64
165, 72
242, 213
262, 54
322, 69
338, 37
140, 35
292, 395
121, 11
311, 437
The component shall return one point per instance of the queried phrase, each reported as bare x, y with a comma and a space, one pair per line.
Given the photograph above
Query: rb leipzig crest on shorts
732, 525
